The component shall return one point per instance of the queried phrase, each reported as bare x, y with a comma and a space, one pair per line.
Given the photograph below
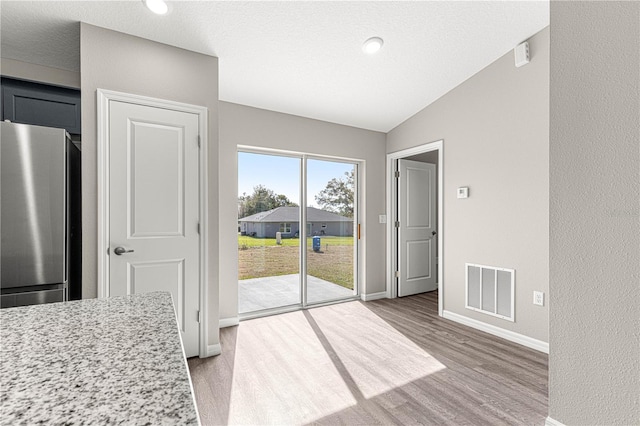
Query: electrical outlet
538, 298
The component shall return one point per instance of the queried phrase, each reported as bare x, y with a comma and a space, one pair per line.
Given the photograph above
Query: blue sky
282, 174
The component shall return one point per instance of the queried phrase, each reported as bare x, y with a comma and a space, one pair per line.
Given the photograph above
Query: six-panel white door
154, 208
417, 217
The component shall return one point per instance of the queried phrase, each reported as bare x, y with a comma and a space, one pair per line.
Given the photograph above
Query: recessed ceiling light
157, 6
372, 45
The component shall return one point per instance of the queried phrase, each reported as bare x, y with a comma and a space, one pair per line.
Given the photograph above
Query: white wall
242, 125
594, 362
495, 128
116, 61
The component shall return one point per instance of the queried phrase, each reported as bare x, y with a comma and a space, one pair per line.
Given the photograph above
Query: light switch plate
463, 192
382, 218
521, 53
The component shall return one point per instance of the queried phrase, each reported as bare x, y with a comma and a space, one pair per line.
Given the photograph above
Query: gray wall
116, 61
594, 363
430, 157
242, 125
40, 73
495, 128
336, 229
269, 229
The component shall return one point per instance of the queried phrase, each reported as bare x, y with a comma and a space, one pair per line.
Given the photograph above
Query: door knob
433, 232
121, 250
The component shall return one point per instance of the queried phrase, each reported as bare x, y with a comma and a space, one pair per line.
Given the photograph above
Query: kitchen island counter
98, 361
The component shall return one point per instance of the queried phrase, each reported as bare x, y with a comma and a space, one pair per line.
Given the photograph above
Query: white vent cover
490, 290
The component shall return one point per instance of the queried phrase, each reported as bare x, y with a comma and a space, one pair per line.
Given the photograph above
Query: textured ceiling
301, 58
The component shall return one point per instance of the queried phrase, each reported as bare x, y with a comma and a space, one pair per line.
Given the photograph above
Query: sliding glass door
268, 234
290, 257
332, 237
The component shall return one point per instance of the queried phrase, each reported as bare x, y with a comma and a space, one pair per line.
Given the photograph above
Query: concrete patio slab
256, 294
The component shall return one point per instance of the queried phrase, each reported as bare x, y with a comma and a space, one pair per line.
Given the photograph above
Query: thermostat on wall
463, 192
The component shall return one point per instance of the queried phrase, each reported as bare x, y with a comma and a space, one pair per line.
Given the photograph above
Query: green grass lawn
245, 241
262, 257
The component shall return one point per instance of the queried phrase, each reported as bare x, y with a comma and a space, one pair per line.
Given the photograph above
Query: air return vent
490, 290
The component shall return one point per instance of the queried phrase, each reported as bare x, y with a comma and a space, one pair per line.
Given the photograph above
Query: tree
261, 200
337, 197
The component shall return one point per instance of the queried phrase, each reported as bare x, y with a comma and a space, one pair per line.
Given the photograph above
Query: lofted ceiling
303, 58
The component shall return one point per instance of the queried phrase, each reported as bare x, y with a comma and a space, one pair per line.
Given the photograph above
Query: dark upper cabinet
41, 104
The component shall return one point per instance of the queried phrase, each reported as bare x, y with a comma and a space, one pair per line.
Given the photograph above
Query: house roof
292, 214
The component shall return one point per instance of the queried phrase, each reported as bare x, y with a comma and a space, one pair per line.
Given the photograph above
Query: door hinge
198, 228
397, 274
397, 224
199, 318
397, 174
198, 141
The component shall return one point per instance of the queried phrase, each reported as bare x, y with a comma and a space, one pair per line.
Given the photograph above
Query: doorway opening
415, 225
297, 231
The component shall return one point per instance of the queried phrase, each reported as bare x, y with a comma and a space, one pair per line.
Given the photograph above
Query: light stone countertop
96, 361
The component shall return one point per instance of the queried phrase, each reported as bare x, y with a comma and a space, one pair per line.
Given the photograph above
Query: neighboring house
286, 220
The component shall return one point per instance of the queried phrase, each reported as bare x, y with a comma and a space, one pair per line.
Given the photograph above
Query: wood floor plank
381, 362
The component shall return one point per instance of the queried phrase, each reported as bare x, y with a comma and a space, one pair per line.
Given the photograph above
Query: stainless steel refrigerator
40, 221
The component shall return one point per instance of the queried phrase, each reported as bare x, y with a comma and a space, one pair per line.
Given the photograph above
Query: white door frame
103, 117
392, 243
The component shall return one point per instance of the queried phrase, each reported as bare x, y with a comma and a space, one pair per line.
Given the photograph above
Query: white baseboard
213, 350
229, 322
550, 422
373, 296
512, 336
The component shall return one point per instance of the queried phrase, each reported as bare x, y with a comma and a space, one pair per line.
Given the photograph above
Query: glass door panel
268, 231
332, 230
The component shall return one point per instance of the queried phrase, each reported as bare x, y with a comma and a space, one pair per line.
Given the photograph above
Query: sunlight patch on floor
397, 360
281, 352
276, 378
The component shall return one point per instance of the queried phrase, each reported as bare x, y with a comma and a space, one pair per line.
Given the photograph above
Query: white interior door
154, 208
417, 228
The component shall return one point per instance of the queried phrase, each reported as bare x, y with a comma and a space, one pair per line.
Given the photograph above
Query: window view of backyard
269, 231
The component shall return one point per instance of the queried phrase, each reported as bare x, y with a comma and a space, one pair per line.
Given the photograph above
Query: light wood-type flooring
356, 363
